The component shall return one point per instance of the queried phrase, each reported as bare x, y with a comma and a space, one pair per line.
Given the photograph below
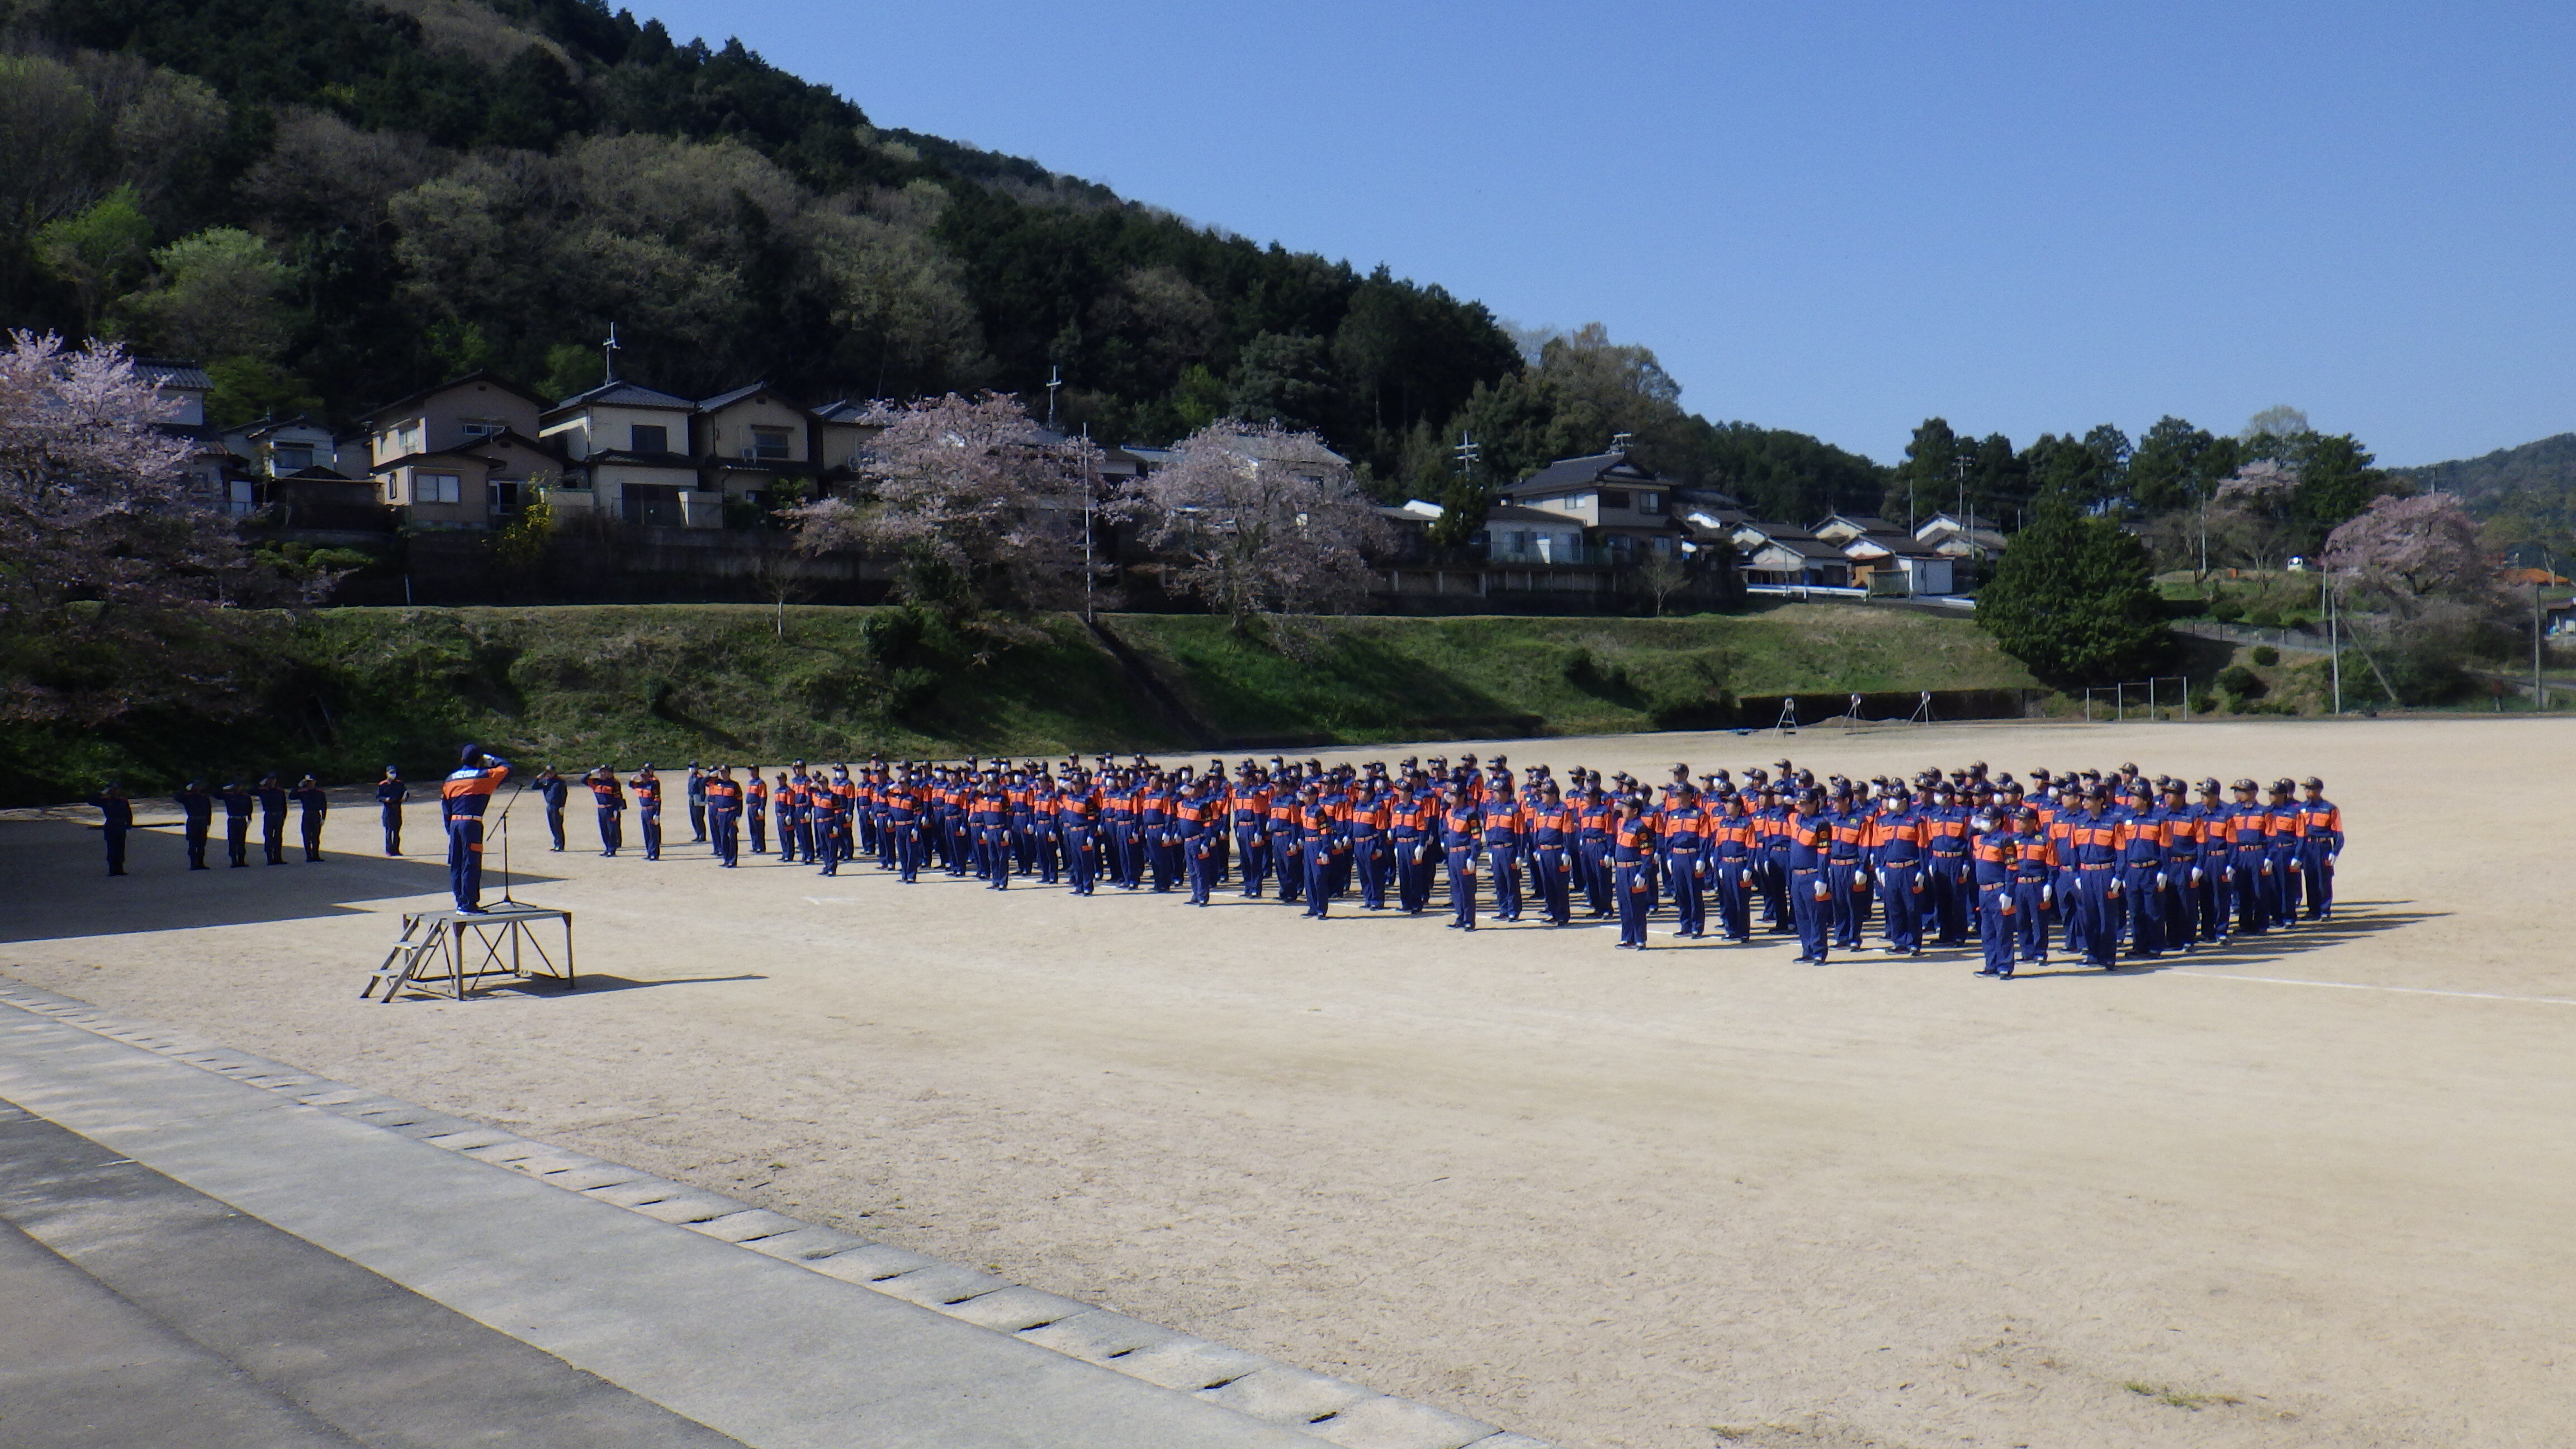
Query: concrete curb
1332, 1410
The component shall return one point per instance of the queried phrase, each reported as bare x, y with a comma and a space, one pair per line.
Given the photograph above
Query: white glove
1824, 892
2162, 883
2045, 893
2195, 875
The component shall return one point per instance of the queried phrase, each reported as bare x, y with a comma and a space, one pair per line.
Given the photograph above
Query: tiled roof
624, 394
171, 372
1567, 475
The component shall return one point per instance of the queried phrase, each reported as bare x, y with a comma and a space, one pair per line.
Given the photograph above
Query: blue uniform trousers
1690, 901
612, 831
1903, 884
1633, 880
1735, 897
1810, 910
1850, 905
1502, 862
1315, 854
1369, 867
727, 828
1252, 844
1946, 901
1462, 885
2030, 918
1198, 858
1555, 871
1600, 888
2102, 920
2146, 902
1077, 858
648, 824
1412, 878
2249, 888
2317, 874
465, 860
1995, 923
1287, 857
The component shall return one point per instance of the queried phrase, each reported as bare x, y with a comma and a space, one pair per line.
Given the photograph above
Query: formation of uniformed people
2099, 866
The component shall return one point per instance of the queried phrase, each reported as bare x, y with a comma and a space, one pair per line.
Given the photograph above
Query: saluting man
461, 798
272, 818
197, 812
610, 798
552, 789
648, 809
116, 816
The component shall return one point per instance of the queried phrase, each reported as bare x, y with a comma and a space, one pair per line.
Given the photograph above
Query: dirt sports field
2320, 1192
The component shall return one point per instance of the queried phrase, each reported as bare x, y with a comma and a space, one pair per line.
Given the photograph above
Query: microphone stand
504, 824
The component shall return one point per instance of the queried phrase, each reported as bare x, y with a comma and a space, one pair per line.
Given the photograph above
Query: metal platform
444, 953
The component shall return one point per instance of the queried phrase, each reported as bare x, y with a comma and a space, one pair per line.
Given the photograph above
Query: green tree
2075, 600
2178, 466
1287, 381
98, 253
247, 388
1927, 482
218, 295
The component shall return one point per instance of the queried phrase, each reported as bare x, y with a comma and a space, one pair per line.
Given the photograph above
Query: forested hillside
2526, 495
335, 202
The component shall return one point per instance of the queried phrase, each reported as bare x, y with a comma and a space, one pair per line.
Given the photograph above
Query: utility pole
2539, 698
1089, 493
2334, 645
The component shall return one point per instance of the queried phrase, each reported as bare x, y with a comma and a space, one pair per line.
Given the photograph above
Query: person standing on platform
238, 805
197, 815
391, 792
609, 798
697, 803
724, 816
461, 799
648, 809
554, 790
272, 818
311, 805
755, 811
116, 816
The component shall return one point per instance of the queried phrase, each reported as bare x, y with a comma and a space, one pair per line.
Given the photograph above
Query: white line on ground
2360, 986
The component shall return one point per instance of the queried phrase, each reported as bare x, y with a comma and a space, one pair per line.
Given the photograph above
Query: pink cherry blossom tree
120, 589
978, 505
1260, 522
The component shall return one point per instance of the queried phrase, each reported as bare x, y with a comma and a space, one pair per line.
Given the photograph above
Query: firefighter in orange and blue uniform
462, 797
2321, 845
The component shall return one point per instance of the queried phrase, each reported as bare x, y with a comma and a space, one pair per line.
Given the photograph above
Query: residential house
462, 454
625, 449
750, 439
1898, 563
1962, 536
1780, 556
210, 472
1517, 535
1621, 506
1842, 528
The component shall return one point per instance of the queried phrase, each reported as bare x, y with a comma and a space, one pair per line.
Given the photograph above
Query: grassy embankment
578, 685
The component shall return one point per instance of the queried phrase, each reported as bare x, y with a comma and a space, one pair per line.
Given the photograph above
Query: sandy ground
1698, 1197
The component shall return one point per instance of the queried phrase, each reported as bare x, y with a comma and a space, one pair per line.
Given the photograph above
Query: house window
436, 488
408, 437
290, 457
1650, 503
481, 427
1614, 497
769, 444
506, 494
648, 438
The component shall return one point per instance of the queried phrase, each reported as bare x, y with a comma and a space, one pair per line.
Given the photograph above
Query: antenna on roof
1468, 453
1055, 380
608, 350
1619, 442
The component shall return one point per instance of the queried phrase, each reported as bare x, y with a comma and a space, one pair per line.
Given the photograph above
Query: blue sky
1843, 218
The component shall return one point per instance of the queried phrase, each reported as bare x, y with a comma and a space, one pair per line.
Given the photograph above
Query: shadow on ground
53, 875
